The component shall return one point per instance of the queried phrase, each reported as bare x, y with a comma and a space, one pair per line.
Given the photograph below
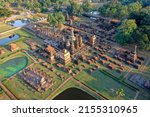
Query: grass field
23, 91
104, 84
12, 66
13, 63
71, 84
5, 27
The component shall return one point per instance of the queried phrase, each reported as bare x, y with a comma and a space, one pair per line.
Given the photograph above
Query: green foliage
118, 10
36, 5
122, 12
56, 19
142, 37
135, 16
46, 3
2, 4
144, 2
145, 15
4, 12
125, 31
120, 93
87, 7
44, 9
74, 9
135, 7
142, 34
57, 7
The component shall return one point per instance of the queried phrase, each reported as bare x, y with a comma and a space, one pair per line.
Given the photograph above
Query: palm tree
120, 93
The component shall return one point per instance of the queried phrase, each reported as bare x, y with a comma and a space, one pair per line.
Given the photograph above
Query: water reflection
74, 94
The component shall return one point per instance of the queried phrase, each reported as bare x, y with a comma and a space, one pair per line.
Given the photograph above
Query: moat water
19, 23
9, 39
74, 94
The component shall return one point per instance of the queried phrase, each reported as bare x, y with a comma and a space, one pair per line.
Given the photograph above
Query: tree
122, 12
56, 19
52, 21
125, 31
87, 7
120, 93
2, 4
114, 9
60, 18
145, 16
37, 10
74, 9
142, 37
134, 7
4, 12
142, 17
57, 7
44, 9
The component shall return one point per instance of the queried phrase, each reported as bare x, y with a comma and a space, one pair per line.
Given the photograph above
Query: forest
135, 17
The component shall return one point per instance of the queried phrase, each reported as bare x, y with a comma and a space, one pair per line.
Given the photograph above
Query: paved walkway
144, 66
137, 94
9, 31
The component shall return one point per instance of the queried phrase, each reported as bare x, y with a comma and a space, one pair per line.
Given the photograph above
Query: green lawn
71, 84
5, 27
13, 63
12, 66
23, 91
144, 95
104, 84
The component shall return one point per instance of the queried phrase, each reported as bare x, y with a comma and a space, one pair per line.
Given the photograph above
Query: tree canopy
56, 19
74, 9
119, 10
135, 17
87, 7
125, 30
4, 12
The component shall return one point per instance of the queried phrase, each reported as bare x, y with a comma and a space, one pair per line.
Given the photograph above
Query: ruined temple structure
2, 51
72, 47
13, 47
37, 79
71, 22
133, 56
130, 58
64, 57
72, 35
74, 43
51, 51
92, 40
45, 32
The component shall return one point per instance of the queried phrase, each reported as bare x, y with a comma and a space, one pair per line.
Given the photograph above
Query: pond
94, 13
12, 66
19, 23
74, 94
9, 39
